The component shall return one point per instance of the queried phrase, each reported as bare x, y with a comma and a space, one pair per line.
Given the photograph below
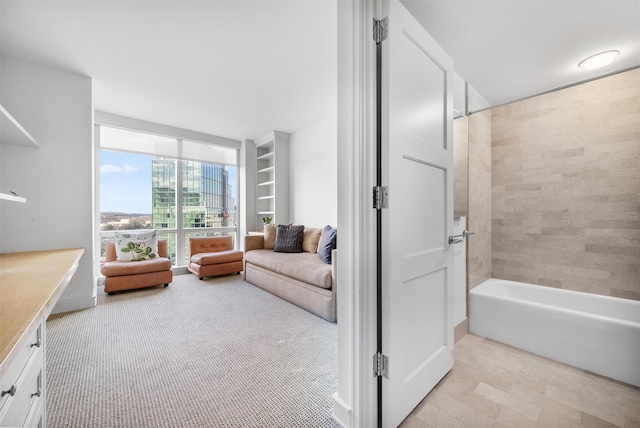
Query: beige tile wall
460, 165
479, 220
566, 188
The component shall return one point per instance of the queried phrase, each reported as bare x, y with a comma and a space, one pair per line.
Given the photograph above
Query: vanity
30, 285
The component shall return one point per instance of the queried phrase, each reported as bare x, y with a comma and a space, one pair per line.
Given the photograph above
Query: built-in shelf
272, 176
13, 198
12, 133
266, 156
268, 169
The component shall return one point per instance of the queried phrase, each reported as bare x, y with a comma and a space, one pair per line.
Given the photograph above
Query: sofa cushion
289, 238
136, 245
310, 239
269, 236
328, 243
305, 267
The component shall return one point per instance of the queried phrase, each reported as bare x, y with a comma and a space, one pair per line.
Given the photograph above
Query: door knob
455, 239
11, 391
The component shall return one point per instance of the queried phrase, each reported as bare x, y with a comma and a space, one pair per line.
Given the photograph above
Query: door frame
355, 401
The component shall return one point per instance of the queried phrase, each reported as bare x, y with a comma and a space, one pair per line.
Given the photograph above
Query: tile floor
495, 385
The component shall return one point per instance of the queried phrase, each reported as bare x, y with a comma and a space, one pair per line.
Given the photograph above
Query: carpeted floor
212, 353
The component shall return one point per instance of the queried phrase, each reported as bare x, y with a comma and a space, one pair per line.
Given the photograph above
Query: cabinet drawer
27, 349
36, 414
28, 392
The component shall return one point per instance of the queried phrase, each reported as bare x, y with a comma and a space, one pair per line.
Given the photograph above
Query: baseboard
180, 270
341, 411
74, 304
461, 330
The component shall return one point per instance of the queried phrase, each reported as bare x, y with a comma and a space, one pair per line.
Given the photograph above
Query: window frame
180, 136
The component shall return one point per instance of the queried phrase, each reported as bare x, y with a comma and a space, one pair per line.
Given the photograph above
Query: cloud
109, 168
128, 168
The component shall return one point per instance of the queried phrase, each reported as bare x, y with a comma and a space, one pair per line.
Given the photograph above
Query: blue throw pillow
328, 242
289, 238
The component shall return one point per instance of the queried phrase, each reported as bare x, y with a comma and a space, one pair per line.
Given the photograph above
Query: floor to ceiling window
181, 188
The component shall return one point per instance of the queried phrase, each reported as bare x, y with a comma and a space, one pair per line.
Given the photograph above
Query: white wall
313, 174
459, 94
55, 106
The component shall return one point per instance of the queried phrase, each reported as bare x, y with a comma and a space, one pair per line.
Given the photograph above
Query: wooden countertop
30, 283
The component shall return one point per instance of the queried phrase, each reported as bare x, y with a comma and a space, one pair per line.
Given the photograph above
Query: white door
417, 285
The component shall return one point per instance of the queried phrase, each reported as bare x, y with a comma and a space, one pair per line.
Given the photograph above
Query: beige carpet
212, 353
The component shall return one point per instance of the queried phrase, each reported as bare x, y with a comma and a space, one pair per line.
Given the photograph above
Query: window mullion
180, 235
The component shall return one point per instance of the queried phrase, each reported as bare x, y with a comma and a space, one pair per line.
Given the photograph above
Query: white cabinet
272, 177
22, 386
30, 285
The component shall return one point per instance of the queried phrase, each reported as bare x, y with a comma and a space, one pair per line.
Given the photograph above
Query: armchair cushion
209, 244
217, 257
127, 268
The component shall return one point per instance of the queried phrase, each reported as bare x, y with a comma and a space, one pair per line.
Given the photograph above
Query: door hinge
380, 365
380, 30
380, 197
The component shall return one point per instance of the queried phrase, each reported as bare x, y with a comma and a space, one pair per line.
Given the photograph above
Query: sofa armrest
334, 270
253, 242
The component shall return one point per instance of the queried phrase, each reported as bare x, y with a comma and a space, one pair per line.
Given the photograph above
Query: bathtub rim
483, 294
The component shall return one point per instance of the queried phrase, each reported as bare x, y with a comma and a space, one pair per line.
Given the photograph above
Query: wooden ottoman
214, 256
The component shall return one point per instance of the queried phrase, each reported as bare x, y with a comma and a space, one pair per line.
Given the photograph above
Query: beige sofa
300, 278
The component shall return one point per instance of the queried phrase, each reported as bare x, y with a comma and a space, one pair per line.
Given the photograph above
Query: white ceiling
239, 68
511, 49
236, 69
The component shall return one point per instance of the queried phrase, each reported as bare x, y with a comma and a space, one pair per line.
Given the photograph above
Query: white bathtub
596, 333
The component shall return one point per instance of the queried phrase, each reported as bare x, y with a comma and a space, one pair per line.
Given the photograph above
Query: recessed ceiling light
599, 60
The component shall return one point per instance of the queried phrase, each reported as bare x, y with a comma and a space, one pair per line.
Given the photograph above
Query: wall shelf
268, 169
12, 133
266, 156
13, 198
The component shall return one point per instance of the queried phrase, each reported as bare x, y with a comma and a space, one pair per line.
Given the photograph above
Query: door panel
423, 235
417, 162
420, 311
422, 115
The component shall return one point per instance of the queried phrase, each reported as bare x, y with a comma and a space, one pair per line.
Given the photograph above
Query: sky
125, 182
